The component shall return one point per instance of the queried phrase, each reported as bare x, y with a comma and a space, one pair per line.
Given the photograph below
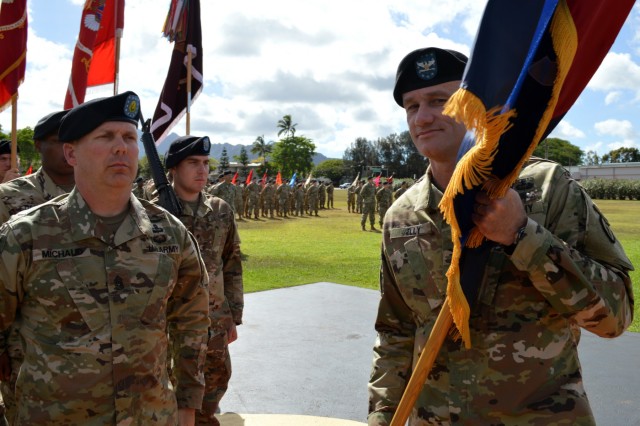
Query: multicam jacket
568, 272
226, 191
97, 313
214, 227
25, 192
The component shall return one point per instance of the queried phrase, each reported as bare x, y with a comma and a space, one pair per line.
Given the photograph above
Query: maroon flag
94, 57
183, 28
13, 45
249, 177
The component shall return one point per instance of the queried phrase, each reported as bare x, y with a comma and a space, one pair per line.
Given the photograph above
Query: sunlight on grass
284, 252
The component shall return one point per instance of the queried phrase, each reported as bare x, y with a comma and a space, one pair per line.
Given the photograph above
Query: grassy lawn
332, 247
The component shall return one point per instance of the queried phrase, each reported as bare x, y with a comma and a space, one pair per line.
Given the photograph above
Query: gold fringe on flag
475, 167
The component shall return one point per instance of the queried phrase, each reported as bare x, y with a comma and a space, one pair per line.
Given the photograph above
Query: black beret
427, 67
139, 179
227, 172
5, 147
48, 124
90, 115
185, 146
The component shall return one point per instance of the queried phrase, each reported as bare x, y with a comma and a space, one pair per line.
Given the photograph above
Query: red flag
94, 58
29, 170
183, 28
376, 181
250, 177
235, 178
390, 179
263, 182
278, 178
13, 45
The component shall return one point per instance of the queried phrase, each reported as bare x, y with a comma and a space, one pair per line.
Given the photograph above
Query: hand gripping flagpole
166, 196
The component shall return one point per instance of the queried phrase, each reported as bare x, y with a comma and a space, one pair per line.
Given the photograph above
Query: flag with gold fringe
13, 45
529, 63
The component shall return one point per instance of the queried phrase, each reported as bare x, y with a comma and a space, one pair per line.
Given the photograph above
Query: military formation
368, 198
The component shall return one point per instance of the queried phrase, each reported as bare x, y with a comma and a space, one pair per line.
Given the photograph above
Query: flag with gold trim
529, 63
13, 45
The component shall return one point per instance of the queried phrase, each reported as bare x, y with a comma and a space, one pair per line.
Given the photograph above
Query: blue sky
330, 64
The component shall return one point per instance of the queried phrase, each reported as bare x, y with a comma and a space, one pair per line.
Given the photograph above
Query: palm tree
261, 148
286, 127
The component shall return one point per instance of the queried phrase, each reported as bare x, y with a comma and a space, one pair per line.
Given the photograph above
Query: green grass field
332, 247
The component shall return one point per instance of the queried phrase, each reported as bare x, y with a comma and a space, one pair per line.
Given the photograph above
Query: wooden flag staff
14, 131
189, 60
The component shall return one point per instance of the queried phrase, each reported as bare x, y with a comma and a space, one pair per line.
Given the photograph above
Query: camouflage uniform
330, 195
15, 196
351, 199
226, 191
138, 191
383, 196
299, 194
312, 197
359, 200
96, 311
567, 272
399, 192
283, 199
322, 195
268, 197
214, 228
368, 195
253, 197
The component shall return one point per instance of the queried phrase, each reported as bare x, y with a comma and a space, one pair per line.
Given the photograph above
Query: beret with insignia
48, 124
185, 146
88, 116
5, 147
427, 67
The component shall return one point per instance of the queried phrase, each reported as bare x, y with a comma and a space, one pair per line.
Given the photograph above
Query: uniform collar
429, 196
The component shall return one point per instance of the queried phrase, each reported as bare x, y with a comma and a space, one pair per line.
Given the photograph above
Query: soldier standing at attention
368, 195
54, 178
282, 192
351, 198
359, 202
322, 195
211, 221
239, 199
330, 195
401, 190
6, 172
98, 282
550, 273
384, 199
312, 196
268, 196
253, 198
299, 196
225, 189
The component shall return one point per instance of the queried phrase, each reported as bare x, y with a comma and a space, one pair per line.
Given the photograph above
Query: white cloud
612, 127
612, 97
622, 144
618, 71
567, 131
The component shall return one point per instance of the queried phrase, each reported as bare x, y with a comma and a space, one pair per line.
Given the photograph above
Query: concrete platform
306, 350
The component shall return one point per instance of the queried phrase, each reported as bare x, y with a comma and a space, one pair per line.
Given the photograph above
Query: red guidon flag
94, 58
13, 48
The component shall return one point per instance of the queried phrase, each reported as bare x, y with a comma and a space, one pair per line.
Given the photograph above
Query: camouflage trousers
8, 406
217, 372
252, 208
368, 209
382, 210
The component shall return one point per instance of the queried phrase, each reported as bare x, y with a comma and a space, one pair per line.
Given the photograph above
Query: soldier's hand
5, 367
232, 333
499, 219
10, 175
186, 416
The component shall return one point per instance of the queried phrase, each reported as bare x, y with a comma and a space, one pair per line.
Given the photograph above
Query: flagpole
423, 366
14, 131
116, 77
189, 59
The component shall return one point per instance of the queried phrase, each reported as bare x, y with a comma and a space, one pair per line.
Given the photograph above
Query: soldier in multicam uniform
384, 200
225, 189
368, 195
403, 188
54, 178
551, 273
253, 198
239, 199
282, 193
299, 195
359, 201
211, 221
312, 197
322, 195
101, 285
330, 195
138, 189
268, 194
351, 198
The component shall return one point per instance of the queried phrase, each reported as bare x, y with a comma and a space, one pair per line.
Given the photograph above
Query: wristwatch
520, 234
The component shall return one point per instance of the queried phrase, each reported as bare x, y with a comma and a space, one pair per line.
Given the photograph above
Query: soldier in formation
368, 195
127, 281
384, 200
211, 221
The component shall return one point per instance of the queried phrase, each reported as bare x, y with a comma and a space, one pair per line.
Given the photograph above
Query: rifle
166, 196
